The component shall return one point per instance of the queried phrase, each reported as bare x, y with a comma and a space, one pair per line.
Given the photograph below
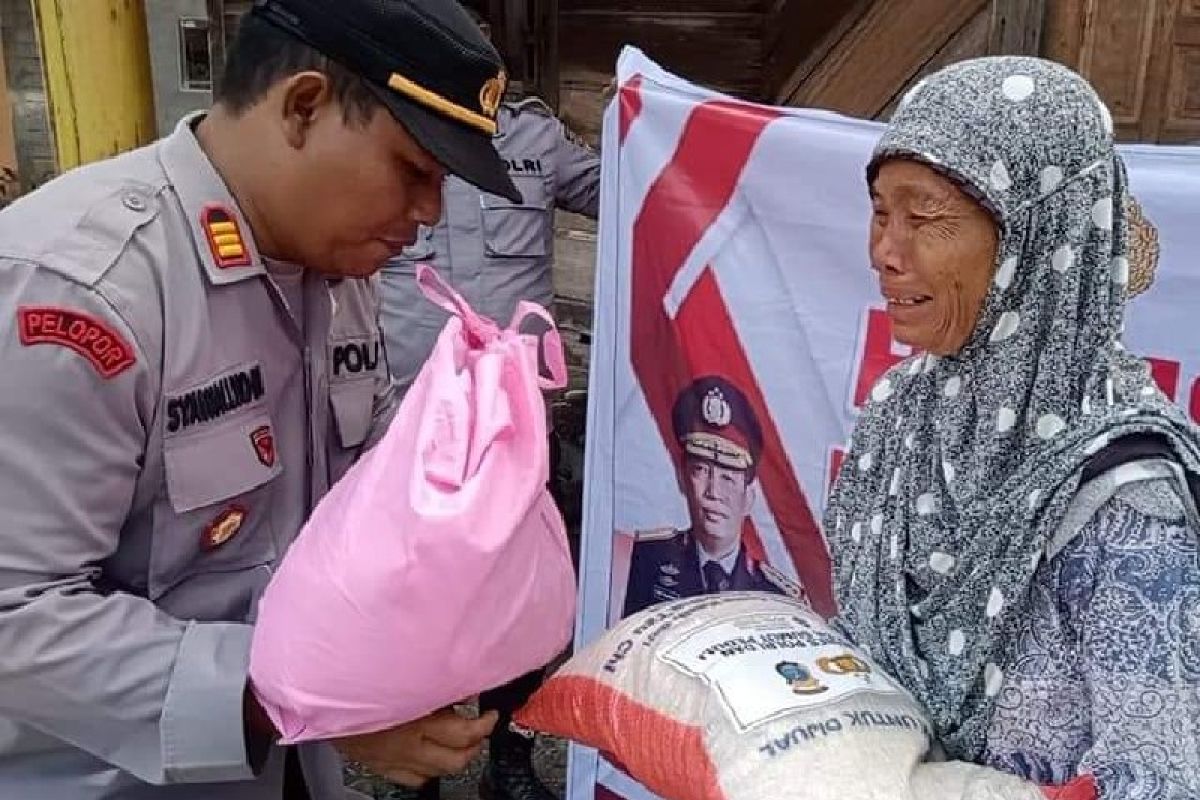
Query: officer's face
718, 499
350, 195
934, 249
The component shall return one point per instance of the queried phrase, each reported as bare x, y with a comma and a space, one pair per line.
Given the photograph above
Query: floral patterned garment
1106, 676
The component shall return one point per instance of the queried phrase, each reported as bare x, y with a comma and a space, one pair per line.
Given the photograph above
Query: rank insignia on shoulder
788, 586
224, 237
90, 337
223, 528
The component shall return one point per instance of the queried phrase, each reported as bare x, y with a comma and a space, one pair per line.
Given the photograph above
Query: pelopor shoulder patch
92, 338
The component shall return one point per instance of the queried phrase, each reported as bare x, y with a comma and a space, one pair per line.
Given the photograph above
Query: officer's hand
441, 744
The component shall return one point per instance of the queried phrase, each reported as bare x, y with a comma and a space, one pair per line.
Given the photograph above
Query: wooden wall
859, 57
876, 56
1143, 56
717, 43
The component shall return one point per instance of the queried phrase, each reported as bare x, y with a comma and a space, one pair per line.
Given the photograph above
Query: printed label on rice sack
765, 665
782, 742
646, 629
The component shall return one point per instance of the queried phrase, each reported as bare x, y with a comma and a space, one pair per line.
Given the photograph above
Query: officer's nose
427, 202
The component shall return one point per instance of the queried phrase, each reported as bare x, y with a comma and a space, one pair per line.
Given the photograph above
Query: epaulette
86, 252
655, 535
783, 581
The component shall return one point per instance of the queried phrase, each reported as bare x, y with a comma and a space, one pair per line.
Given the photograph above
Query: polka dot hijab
961, 468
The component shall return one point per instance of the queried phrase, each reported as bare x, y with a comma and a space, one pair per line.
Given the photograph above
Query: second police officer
496, 253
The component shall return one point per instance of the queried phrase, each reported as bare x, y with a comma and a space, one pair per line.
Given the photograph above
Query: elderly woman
1014, 533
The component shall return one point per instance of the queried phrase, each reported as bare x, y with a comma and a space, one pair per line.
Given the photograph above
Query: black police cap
429, 64
713, 407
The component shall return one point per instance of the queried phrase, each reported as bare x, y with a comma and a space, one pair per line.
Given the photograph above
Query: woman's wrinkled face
934, 249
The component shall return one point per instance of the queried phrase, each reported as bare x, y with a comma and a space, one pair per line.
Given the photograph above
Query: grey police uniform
496, 253
169, 421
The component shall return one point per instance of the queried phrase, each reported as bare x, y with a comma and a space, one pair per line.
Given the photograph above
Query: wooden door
1143, 56
1181, 106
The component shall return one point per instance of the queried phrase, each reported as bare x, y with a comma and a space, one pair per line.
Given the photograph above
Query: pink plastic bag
438, 567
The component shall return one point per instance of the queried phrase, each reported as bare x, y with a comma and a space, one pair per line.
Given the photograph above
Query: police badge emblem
264, 445
715, 409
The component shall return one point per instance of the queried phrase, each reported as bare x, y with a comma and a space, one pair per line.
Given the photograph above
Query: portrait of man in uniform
720, 441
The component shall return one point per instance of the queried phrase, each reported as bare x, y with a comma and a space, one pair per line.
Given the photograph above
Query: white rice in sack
748, 696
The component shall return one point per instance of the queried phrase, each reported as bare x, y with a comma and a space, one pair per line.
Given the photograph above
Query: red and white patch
223, 528
264, 445
88, 336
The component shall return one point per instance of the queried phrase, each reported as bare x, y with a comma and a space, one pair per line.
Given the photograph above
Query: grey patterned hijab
961, 468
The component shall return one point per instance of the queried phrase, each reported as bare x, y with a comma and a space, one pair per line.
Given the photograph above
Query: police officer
496, 252
721, 441
190, 351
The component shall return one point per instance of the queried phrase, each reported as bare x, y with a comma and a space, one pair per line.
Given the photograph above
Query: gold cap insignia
492, 94
715, 409
717, 449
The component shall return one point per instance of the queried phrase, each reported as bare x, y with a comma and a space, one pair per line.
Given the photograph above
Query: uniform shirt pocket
356, 366
220, 463
353, 405
216, 518
518, 230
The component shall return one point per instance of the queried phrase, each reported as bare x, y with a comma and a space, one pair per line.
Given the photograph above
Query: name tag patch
215, 399
355, 358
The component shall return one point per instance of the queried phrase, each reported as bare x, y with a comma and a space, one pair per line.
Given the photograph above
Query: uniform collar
220, 233
504, 117
728, 563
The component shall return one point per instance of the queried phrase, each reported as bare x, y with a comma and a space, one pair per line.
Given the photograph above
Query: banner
739, 327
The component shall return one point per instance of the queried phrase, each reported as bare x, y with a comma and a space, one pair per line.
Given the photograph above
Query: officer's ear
306, 97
